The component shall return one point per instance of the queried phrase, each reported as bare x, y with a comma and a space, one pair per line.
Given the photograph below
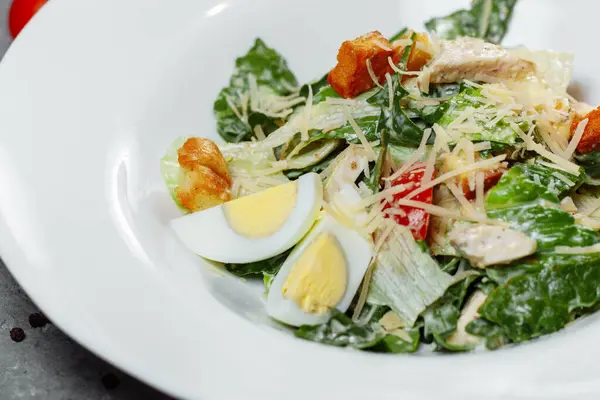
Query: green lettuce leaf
375, 177
172, 173
273, 78
536, 304
591, 163
528, 183
341, 331
403, 131
500, 132
542, 294
369, 126
487, 19
492, 333
406, 278
269, 266
440, 319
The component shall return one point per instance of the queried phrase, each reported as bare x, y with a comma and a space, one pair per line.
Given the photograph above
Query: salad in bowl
432, 188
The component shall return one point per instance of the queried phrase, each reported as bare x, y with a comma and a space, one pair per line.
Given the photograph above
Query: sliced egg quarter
255, 227
323, 272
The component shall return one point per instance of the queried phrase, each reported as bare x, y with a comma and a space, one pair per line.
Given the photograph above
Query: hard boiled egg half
254, 227
323, 272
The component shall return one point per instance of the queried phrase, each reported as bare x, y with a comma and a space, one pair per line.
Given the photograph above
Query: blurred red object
21, 11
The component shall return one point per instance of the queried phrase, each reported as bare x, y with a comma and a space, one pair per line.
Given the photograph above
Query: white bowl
91, 95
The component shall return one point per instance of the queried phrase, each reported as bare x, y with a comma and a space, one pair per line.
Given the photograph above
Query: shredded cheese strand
579, 131
372, 74
484, 164
361, 136
414, 158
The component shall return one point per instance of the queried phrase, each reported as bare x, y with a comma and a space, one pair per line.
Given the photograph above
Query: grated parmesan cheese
361, 136
531, 145
372, 74
480, 165
414, 158
578, 250
579, 131
480, 191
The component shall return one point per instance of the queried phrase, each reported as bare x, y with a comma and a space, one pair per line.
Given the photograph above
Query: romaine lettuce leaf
172, 173
403, 131
591, 163
535, 304
487, 19
500, 132
406, 278
341, 331
273, 78
440, 319
528, 183
542, 294
269, 266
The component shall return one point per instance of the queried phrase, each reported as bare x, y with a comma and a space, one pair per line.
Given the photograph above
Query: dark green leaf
542, 294
402, 130
396, 345
591, 163
268, 66
317, 168
492, 333
533, 305
525, 183
500, 132
316, 87
271, 71
369, 126
269, 266
551, 227
398, 34
444, 90
474, 23
441, 317
503, 274
516, 200
375, 176
340, 331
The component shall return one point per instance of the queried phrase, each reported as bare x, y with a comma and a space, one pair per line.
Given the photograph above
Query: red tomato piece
416, 219
21, 11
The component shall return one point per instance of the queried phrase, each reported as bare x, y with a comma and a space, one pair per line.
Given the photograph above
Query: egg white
358, 252
209, 234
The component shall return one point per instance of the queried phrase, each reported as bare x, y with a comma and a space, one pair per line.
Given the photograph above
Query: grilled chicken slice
476, 60
487, 245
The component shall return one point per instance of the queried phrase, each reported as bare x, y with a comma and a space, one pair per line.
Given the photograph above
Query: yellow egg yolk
317, 281
262, 214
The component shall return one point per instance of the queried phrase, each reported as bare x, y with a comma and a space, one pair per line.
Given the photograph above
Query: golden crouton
590, 140
351, 77
207, 181
490, 179
420, 53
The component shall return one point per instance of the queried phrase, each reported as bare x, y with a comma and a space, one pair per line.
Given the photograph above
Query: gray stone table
47, 364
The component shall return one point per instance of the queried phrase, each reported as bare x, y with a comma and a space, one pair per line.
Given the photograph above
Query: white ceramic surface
92, 93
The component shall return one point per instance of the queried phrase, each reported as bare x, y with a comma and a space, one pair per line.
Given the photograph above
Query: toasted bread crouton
490, 178
420, 53
590, 141
207, 182
351, 77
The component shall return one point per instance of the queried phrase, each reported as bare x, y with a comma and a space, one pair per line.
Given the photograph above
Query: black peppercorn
17, 334
37, 320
